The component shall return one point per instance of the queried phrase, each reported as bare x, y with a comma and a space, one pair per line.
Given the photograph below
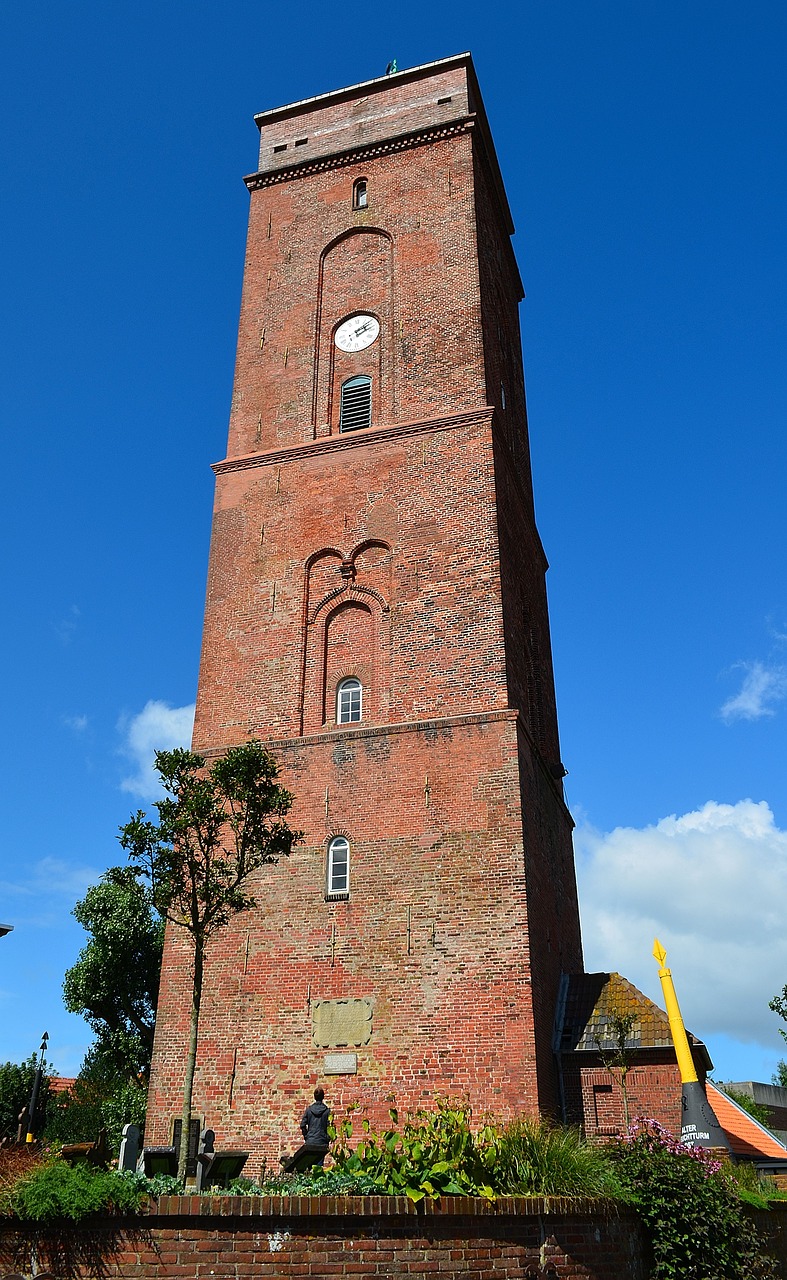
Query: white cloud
712, 886
762, 687
77, 723
157, 727
65, 628
45, 889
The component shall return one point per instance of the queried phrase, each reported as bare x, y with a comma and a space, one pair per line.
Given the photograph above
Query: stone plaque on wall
336, 1023
340, 1064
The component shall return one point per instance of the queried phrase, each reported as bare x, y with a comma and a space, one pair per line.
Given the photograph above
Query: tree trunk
191, 1060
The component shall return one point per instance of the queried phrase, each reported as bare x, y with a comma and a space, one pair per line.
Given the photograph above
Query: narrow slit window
356, 404
349, 702
360, 194
338, 878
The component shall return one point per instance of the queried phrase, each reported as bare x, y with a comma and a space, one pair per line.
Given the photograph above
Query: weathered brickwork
594, 1098
405, 556
231, 1238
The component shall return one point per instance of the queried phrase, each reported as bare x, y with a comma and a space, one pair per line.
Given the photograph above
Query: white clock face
357, 333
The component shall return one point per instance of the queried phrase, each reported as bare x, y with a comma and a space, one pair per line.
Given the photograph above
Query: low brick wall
296, 1238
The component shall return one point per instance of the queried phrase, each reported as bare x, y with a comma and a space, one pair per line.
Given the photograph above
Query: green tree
755, 1109
114, 982
618, 1060
780, 1075
100, 1098
16, 1085
217, 826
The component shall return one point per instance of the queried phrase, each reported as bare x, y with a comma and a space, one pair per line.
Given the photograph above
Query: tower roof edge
378, 82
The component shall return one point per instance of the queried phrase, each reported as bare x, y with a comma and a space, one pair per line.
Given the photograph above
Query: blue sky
642, 149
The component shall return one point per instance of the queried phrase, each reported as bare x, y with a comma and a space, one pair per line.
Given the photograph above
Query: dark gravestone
129, 1147
194, 1136
159, 1160
219, 1168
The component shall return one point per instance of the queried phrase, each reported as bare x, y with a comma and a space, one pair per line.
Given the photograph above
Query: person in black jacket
314, 1127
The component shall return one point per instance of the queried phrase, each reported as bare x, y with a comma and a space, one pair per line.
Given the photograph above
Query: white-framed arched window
349, 701
360, 194
355, 409
338, 869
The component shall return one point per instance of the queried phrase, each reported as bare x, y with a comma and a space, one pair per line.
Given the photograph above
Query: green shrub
55, 1190
319, 1182
433, 1153
94, 1103
535, 1158
691, 1210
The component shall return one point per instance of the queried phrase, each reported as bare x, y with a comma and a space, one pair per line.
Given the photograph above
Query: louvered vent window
356, 406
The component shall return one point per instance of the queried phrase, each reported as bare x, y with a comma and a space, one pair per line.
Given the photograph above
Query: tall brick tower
377, 613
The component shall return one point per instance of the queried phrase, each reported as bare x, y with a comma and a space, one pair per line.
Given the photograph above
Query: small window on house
360, 194
355, 412
301, 142
338, 877
281, 147
349, 700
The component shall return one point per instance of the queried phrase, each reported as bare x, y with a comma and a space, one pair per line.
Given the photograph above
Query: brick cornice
355, 439
373, 731
356, 155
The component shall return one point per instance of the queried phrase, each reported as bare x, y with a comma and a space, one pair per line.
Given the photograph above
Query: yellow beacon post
699, 1126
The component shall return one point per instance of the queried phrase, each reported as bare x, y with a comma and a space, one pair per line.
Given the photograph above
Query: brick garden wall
195, 1238
293, 1239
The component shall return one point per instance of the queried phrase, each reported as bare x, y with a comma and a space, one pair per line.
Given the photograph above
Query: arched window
356, 404
360, 194
338, 872
349, 701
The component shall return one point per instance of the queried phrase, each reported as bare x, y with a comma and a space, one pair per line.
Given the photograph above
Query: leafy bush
535, 1158
690, 1209
98, 1099
55, 1190
319, 1182
438, 1153
434, 1153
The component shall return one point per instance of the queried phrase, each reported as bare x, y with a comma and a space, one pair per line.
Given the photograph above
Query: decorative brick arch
355, 274
345, 632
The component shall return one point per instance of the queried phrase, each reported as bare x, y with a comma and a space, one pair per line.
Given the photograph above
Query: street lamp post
31, 1111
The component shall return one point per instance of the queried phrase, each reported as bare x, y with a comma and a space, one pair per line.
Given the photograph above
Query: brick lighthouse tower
377, 614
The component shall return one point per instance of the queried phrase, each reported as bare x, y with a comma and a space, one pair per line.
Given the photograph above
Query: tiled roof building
585, 1045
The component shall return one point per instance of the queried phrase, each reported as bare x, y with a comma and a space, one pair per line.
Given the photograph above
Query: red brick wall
409, 258
594, 1098
407, 556
357, 1237
360, 1237
435, 933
